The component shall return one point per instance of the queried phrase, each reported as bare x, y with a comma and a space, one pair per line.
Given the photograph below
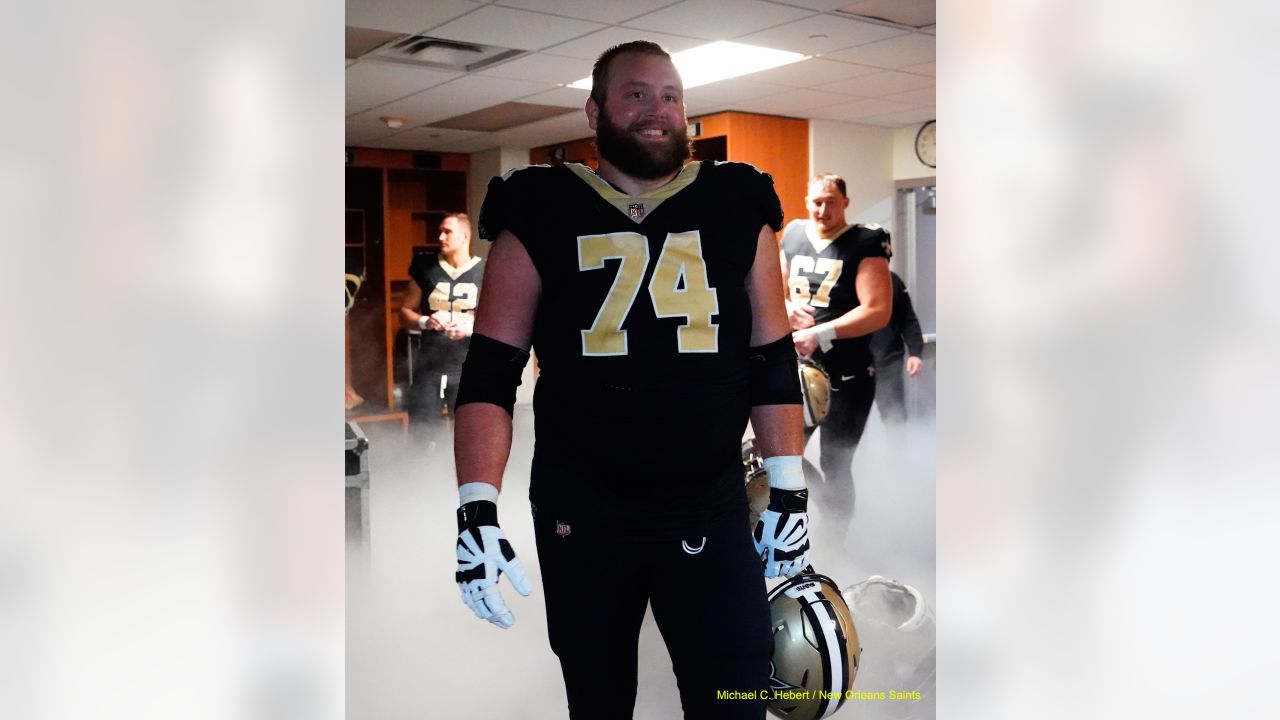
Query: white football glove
782, 533
483, 555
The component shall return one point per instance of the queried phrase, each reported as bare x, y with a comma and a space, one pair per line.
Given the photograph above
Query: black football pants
709, 601
838, 437
891, 392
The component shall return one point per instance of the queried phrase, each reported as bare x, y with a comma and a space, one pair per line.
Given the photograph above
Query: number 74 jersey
639, 290
643, 326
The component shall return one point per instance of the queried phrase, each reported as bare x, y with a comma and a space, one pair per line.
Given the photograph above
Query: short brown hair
600, 71
462, 218
830, 179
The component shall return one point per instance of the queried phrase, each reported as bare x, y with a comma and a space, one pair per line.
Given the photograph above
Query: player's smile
651, 133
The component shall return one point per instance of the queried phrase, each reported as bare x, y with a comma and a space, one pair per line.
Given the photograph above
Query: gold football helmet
815, 389
815, 648
352, 283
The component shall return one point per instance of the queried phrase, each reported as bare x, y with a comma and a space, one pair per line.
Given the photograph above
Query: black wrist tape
477, 513
788, 501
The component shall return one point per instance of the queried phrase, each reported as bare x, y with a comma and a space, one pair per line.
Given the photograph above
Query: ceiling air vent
441, 54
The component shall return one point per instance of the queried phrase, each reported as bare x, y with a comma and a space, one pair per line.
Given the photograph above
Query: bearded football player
650, 291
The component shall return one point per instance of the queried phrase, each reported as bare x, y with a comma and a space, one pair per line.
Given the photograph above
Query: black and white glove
782, 533
483, 555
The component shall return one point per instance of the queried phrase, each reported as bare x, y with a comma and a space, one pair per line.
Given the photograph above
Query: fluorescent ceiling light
720, 61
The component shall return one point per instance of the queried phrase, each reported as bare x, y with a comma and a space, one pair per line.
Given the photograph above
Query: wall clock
926, 144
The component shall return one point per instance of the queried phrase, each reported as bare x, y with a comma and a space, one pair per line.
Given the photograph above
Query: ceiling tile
807, 73
506, 27
861, 72
564, 97
913, 13
925, 69
543, 68
502, 116
924, 96
727, 94
405, 16
819, 4
864, 108
908, 117
424, 139
840, 33
879, 84
544, 132
363, 133
482, 141
472, 92
373, 83
362, 40
877, 122
591, 46
711, 19
605, 11
793, 103
894, 53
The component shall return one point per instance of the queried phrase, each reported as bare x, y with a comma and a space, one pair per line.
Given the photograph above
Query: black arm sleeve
908, 325
494, 211
752, 192
775, 376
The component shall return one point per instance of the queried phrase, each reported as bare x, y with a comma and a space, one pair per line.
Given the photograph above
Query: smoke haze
414, 649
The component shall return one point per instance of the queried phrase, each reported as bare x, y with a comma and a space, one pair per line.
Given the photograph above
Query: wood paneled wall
776, 145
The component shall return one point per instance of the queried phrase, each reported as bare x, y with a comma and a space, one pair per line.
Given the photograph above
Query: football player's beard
642, 160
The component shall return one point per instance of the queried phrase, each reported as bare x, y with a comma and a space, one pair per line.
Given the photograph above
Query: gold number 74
679, 288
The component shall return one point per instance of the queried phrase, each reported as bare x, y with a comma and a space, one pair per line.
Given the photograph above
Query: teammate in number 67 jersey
651, 293
838, 293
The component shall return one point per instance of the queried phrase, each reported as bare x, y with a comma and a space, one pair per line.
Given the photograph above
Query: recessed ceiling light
720, 61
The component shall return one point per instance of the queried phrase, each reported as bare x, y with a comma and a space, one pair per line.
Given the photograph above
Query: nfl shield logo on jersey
561, 529
636, 210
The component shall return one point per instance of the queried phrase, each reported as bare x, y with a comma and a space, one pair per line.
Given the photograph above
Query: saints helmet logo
777, 684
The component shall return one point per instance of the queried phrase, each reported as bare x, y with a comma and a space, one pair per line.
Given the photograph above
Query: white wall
485, 165
864, 156
906, 166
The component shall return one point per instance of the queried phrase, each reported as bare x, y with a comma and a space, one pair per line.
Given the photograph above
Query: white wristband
473, 491
422, 322
826, 334
786, 472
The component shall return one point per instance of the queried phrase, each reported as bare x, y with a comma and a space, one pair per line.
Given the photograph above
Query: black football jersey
453, 290
822, 274
643, 325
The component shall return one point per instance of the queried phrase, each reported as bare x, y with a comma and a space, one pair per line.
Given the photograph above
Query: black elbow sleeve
491, 373
775, 378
